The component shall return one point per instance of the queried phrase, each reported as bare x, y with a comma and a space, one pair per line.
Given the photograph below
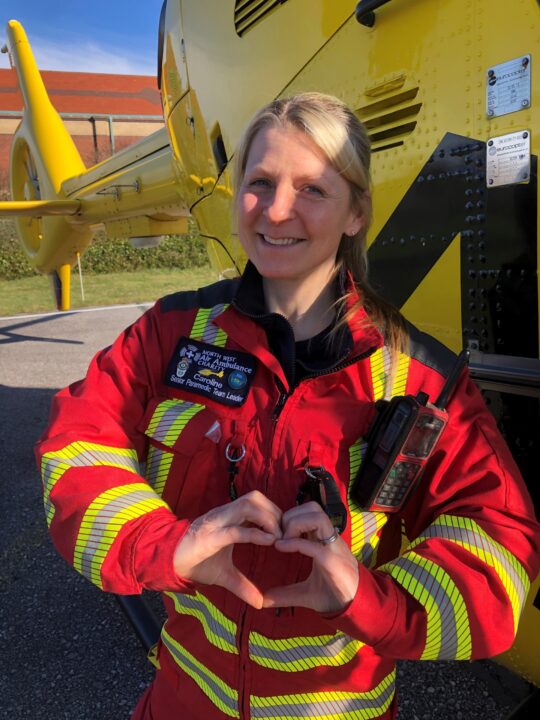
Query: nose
281, 204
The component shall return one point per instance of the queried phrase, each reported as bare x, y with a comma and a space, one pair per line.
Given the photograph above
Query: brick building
103, 113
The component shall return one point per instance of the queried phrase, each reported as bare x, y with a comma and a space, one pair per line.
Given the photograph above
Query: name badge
217, 373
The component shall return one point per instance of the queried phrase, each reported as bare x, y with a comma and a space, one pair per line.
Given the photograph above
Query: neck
308, 306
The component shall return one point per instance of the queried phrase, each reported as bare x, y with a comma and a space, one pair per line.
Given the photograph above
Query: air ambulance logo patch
217, 373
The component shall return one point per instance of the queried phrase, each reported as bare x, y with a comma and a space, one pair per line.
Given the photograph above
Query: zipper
284, 395
243, 653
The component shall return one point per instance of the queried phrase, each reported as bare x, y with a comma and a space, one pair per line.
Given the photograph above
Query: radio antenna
451, 381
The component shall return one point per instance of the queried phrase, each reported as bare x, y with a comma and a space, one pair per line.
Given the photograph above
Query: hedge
106, 256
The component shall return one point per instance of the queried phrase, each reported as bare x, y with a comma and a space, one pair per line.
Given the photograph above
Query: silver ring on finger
329, 540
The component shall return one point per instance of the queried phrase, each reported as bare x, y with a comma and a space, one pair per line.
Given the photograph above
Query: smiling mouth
280, 242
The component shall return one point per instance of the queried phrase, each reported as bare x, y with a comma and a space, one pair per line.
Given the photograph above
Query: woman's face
293, 208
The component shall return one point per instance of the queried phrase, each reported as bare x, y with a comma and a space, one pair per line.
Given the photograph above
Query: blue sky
114, 36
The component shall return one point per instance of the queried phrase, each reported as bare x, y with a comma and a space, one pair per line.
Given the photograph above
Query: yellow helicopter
445, 89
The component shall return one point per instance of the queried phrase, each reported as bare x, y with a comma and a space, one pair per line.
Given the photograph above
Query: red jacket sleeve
457, 590
104, 518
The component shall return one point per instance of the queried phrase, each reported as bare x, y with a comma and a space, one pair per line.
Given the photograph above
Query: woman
240, 401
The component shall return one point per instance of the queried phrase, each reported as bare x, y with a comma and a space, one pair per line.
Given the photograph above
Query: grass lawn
34, 294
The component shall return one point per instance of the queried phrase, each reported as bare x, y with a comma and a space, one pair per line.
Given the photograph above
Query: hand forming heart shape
205, 552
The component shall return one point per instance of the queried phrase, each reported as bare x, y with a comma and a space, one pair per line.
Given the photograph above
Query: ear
359, 213
356, 224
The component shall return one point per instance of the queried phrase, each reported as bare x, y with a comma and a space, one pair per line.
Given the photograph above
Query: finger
304, 509
239, 534
252, 508
237, 583
313, 522
310, 548
287, 596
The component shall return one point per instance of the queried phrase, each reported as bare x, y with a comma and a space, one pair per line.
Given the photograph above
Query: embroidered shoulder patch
218, 373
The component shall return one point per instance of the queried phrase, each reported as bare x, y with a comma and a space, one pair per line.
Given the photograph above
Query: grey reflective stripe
102, 524
218, 692
52, 470
302, 653
469, 535
219, 630
81, 454
439, 595
203, 328
157, 468
483, 543
330, 705
170, 418
370, 529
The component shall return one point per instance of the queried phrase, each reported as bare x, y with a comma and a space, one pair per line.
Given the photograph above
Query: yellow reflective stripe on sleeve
103, 520
158, 465
219, 630
469, 535
222, 695
169, 419
203, 328
448, 635
338, 705
81, 454
366, 527
294, 654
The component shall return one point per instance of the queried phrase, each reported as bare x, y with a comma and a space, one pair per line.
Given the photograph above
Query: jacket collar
359, 336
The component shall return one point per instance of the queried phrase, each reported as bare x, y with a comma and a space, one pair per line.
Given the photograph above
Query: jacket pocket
184, 463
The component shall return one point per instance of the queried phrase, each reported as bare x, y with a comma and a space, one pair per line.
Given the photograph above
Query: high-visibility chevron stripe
219, 630
289, 654
337, 705
103, 520
402, 372
366, 527
294, 654
448, 635
222, 695
469, 535
381, 367
203, 328
323, 705
81, 454
357, 452
169, 419
158, 465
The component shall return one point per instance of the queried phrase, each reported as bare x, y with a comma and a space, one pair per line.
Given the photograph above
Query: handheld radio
401, 440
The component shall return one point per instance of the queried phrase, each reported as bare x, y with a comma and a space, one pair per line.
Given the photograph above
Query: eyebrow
302, 178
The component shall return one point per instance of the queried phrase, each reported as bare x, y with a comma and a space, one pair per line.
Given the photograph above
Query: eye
314, 190
259, 182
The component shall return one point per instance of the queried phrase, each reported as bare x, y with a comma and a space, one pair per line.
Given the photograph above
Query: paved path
66, 649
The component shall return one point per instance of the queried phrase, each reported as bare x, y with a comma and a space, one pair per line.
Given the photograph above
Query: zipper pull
279, 405
322, 488
282, 399
233, 455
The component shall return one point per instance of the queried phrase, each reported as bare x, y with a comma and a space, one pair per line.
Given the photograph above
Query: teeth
280, 241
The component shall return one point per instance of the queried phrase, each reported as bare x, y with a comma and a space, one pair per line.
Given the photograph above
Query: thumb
287, 596
238, 583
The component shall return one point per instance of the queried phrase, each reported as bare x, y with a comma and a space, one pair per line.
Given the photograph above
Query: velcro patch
218, 373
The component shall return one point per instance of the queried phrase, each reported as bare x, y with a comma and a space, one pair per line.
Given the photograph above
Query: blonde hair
336, 130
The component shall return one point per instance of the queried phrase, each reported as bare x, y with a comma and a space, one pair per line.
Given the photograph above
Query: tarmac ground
66, 649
